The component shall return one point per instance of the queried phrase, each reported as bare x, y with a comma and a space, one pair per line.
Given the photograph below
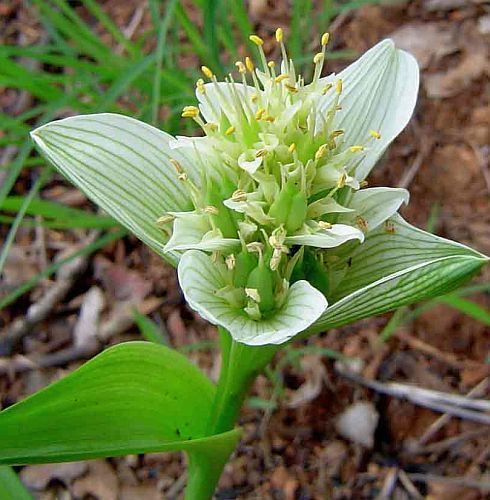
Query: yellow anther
280, 78
341, 181
338, 107
249, 64
239, 195
255, 247
260, 113
177, 165
325, 39
190, 112
332, 144
363, 184
356, 149
241, 67
336, 133
256, 39
207, 72
211, 210
210, 127
230, 130
375, 134
318, 58
321, 151
271, 64
165, 219
200, 86
324, 224
182, 177
292, 148
279, 35
327, 87
269, 118
292, 88
389, 227
338, 86
230, 262
260, 153
362, 223
254, 97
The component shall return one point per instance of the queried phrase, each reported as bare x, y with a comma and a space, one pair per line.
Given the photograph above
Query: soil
292, 447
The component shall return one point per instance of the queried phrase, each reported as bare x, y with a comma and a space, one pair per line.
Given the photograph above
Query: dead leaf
123, 284
315, 374
101, 482
358, 422
473, 65
86, 327
37, 477
428, 42
140, 492
281, 480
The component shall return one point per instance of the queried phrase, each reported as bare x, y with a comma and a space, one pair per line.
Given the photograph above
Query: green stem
240, 366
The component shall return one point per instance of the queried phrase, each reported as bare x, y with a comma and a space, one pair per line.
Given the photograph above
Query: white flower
270, 206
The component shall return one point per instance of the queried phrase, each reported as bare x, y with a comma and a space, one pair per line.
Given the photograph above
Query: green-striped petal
379, 93
396, 265
200, 279
123, 166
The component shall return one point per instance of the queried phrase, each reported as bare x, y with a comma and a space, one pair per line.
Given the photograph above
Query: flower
268, 214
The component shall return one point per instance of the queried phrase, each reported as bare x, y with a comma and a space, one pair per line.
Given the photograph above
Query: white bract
268, 214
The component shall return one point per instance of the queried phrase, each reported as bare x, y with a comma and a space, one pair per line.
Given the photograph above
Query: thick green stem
240, 366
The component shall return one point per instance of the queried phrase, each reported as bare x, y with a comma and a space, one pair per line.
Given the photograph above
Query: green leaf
132, 398
11, 487
396, 265
123, 166
201, 279
149, 329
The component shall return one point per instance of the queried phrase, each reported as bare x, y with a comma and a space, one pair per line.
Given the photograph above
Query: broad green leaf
202, 279
396, 265
123, 166
132, 398
379, 93
11, 488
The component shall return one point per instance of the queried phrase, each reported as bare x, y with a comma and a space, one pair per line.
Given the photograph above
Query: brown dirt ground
294, 452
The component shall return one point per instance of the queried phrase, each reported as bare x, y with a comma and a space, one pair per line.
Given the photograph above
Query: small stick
409, 486
388, 485
465, 482
478, 390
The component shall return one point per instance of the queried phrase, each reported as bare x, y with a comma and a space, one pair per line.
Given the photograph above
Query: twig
388, 485
477, 391
409, 486
455, 481
40, 310
452, 404
132, 26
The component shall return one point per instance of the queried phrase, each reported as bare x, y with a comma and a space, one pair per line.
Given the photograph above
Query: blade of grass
467, 307
162, 35
149, 329
11, 488
86, 250
210, 9
20, 215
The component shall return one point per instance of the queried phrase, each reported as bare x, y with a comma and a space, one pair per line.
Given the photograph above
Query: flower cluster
278, 190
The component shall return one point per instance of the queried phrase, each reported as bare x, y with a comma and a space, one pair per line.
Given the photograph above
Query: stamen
249, 64
324, 224
356, 149
260, 113
177, 165
252, 293
342, 180
363, 184
211, 210
239, 195
165, 219
257, 40
190, 112
241, 67
260, 153
200, 86
321, 151
362, 223
375, 134
292, 148
279, 35
230, 262
325, 38
279, 39
327, 87
292, 88
280, 78
230, 130
207, 72
338, 86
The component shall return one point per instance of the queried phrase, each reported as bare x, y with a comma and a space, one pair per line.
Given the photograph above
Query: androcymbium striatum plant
275, 233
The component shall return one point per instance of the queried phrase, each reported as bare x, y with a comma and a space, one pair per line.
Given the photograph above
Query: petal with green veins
122, 165
379, 93
335, 236
193, 231
395, 266
200, 279
375, 205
